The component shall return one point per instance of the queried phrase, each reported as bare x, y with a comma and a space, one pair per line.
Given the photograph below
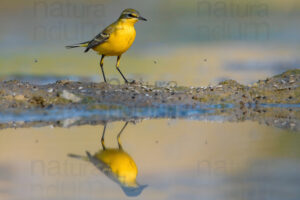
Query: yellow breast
119, 41
121, 164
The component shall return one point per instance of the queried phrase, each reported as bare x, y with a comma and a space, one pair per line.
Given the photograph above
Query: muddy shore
235, 101
280, 89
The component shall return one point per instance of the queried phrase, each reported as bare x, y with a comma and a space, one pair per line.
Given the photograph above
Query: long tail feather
83, 44
72, 46
78, 157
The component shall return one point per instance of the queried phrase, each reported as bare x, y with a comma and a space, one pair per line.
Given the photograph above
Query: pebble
292, 124
283, 123
19, 97
70, 96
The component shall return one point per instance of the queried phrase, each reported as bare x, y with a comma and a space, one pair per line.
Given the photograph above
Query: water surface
176, 159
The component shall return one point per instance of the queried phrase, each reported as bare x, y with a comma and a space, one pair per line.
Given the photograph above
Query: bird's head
131, 15
133, 191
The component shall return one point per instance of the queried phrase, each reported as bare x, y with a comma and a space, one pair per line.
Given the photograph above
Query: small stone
19, 97
283, 81
283, 123
70, 96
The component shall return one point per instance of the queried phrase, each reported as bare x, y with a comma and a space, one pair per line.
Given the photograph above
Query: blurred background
192, 42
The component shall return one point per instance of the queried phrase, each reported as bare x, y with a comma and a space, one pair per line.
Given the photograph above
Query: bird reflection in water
116, 164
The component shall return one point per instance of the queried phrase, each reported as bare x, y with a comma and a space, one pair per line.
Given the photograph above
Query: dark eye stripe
131, 15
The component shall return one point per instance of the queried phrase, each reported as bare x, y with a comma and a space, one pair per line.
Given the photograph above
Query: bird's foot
131, 82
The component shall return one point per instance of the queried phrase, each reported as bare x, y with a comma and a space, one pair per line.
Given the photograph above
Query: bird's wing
103, 167
101, 37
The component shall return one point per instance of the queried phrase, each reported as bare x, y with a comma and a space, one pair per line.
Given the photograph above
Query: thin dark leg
102, 138
101, 65
122, 75
119, 135
118, 63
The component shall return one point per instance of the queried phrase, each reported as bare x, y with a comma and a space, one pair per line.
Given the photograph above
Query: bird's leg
117, 66
101, 65
102, 138
119, 135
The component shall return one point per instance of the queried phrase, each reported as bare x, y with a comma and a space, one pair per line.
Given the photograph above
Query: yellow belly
118, 42
121, 164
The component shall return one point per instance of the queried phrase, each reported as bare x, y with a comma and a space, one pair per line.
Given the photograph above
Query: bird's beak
142, 18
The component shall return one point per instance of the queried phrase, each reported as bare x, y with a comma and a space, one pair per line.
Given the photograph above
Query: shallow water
176, 159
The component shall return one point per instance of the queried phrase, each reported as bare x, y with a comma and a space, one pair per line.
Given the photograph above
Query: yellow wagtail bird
115, 39
117, 165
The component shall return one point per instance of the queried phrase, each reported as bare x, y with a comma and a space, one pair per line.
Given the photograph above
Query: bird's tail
78, 157
83, 44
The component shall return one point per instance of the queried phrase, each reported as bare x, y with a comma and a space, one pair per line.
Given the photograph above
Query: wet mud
274, 101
